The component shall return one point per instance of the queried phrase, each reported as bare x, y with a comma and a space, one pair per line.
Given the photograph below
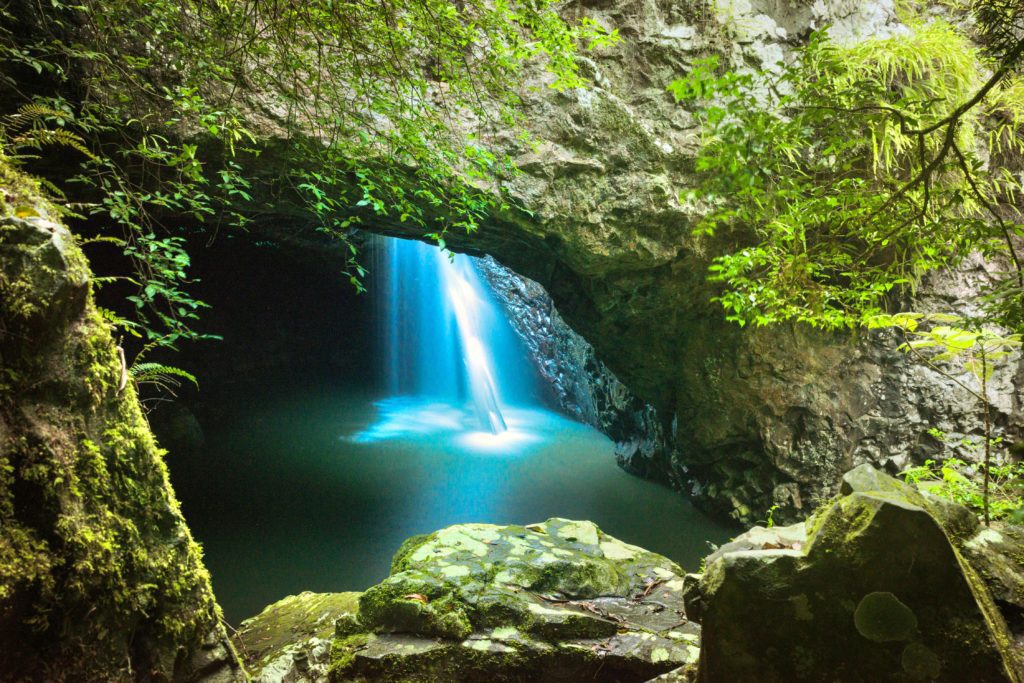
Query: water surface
314, 487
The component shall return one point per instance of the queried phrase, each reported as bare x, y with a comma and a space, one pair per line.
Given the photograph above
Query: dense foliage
833, 183
385, 106
840, 179
957, 480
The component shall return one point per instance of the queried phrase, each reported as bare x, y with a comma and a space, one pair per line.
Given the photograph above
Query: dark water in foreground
315, 488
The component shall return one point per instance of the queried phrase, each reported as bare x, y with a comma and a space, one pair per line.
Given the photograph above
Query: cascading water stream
465, 294
449, 353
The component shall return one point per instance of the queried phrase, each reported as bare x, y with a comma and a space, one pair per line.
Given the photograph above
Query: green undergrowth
960, 482
856, 181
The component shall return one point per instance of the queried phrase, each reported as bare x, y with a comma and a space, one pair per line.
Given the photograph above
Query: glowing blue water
451, 361
282, 505
313, 482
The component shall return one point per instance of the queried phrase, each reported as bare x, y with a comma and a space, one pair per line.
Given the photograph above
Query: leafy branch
373, 99
831, 185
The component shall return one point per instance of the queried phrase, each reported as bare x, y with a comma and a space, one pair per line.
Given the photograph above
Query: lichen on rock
290, 640
560, 600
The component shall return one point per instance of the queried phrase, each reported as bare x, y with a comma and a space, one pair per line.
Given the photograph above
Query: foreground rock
100, 579
873, 589
998, 556
558, 601
291, 639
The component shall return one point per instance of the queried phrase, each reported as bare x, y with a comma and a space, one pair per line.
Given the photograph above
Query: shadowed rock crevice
577, 381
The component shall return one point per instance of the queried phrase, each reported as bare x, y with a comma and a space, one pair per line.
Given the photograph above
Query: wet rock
554, 601
877, 592
760, 538
997, 554
290, 640
43, 277
580, 383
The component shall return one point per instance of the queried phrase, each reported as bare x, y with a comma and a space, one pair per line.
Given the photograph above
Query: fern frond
32, 112
102, 238
54, 191
159, 373
37, 137
112, 317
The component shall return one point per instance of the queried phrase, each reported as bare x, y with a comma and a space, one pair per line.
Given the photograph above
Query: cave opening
302, 462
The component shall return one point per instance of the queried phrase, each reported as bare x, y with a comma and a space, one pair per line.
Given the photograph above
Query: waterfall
443, 334
466, 295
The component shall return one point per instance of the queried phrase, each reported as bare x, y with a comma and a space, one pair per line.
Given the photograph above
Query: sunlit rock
554, 601
290, 640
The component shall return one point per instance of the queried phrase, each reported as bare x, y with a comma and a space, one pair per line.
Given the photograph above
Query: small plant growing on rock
955, 479
978, 351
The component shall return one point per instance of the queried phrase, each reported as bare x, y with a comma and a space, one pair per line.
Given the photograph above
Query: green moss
581, 578
997, 628
343, 652
22, 194
415, 602
424, 661
408, 547
833, 526
105, 578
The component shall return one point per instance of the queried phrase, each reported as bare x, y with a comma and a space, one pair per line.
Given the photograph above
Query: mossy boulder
958, 522
554, 601
997, 554
290, 640
876, 592
100, 579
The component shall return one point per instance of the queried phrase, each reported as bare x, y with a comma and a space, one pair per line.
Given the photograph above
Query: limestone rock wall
757, 418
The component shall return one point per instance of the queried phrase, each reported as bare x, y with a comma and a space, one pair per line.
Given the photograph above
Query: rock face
291, 639
998, 556
547, 602
759, 417
873, 589
755, 418
99, 576
582, 385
